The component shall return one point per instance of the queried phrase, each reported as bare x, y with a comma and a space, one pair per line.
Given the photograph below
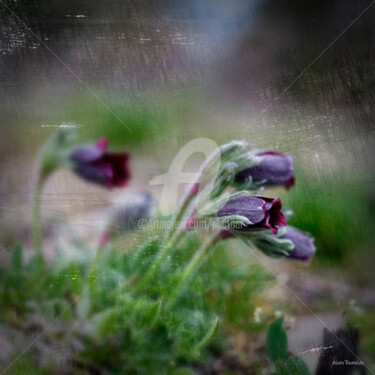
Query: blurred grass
127, 124
124, 120
338, 213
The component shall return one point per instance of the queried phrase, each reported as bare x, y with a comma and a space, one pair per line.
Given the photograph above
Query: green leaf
277, 341
210, 335
151, 316
17, 258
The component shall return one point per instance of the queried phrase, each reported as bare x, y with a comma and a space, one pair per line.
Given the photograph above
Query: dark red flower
272, 169
94, 164
262, 212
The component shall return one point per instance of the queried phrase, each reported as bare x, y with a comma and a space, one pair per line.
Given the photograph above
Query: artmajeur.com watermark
175, 176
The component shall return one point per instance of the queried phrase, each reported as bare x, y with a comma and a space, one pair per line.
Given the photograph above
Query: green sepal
231, 150
54, 153
233, 221
270, 244
224, 179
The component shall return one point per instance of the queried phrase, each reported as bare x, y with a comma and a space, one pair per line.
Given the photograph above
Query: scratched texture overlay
150, 76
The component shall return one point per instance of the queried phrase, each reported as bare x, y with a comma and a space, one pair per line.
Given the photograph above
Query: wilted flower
249, 213
290, 243
268, 168
94, 164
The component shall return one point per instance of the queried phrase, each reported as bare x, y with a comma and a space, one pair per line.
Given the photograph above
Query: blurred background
295, 76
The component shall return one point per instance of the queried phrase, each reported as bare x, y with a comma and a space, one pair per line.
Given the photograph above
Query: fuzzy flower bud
268, 168
251, 213
290, 243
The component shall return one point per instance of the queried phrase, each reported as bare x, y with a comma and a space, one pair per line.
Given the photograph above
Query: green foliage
152, 307
91, 307
240, 289
277, 349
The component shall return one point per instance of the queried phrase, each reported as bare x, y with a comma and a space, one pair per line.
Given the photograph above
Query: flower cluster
258, 220
227, 189
226, 192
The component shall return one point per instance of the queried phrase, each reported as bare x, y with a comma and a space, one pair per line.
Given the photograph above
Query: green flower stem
171, 241
93, 273
159, 260
193, 266
36, 224
191, 193
184, 205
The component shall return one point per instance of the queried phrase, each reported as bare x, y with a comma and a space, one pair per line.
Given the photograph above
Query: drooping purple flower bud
94, 164
304, 247
289, 243
260, 213
270, 169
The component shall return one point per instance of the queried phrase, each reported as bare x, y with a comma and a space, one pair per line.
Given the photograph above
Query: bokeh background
152, 75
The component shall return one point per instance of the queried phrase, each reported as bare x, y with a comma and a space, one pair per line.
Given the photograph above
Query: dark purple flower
304, 247
262, 212
273, 168
94, 164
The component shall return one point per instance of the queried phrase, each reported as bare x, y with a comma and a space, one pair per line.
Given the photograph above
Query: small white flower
258, 311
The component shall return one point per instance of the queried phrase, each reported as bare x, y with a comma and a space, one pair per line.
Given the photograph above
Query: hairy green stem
191, 193
171, 241
159, 261
193, 266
